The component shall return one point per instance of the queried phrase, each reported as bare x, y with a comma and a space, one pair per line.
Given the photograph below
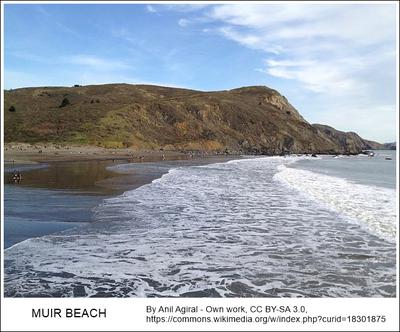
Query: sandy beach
186, 233
34, 153
84, 168
71, 180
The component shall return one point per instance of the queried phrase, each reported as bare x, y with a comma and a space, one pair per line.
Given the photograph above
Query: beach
214, 228
33, 153
58, 191
200, 166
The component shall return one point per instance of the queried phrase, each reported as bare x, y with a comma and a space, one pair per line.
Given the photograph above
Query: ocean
255, 227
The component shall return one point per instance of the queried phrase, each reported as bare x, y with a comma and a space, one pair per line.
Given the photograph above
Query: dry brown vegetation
250, 120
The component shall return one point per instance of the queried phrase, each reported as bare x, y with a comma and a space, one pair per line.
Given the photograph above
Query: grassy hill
250, 119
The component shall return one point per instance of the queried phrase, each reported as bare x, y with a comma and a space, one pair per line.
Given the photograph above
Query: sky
336, 63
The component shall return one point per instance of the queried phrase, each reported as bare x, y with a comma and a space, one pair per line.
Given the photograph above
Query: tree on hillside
11, 109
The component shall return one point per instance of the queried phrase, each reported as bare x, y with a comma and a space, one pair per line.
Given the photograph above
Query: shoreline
142, 227
68, 171
82, 183
45, 153
27, 153
95, 171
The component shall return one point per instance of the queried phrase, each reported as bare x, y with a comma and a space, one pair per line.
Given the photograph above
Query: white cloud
321, 46
183, 22
151, 9
251, 40
358, 23
185, 8
330, 52
316, 76
364, 119
96, 63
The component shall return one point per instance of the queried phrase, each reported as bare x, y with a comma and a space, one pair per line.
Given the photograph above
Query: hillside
390, 146
250, 120
349, 140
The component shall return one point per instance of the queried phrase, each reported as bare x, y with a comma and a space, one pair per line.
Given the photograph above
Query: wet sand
58, 195
84, 168
94, 176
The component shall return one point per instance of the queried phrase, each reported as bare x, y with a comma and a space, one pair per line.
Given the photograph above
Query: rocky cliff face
349, 141
248, 120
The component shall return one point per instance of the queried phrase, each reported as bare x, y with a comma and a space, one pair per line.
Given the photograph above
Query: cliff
349, 141
250, 120
389, 146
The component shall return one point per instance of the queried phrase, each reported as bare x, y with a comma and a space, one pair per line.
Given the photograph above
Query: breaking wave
228, 229
372, 207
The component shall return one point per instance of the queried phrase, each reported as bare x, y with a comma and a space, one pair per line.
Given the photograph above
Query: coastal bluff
255, 119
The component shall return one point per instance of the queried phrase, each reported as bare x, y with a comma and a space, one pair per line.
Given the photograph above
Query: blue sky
336, 63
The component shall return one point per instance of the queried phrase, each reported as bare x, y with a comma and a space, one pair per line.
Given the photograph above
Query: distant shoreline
49, 152
28, 153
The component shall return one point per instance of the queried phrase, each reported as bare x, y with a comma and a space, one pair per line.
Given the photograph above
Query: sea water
51, 198
34, 212
258, 227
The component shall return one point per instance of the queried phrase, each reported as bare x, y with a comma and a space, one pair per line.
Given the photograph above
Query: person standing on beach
17, 177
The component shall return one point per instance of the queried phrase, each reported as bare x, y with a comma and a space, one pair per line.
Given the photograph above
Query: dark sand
55, 196
95, 177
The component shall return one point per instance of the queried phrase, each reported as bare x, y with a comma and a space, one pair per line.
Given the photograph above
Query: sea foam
372, 207
227, 229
